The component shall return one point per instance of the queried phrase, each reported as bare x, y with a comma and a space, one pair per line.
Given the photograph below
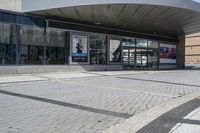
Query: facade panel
193, 49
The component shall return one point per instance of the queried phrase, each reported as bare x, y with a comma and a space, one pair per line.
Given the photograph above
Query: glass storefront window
55, 47
124, 42
7, 44
32, 45
152, 44
144, 55
115, 50
141, 43
153, 58
141, 58
98, 49
26, 20
128, 42
10, 18
131, 42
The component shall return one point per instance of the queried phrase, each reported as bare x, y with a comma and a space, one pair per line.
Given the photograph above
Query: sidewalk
23, 78
96, 102
166, 118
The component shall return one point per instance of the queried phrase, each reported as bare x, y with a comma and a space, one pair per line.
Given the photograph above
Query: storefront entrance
129, 58
140, 59
143, 57
98, 49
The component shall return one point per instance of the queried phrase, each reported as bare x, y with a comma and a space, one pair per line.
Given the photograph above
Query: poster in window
79, 48
115, 50
167, 54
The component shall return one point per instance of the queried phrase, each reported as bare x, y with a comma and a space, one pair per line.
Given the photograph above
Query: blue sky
197, 0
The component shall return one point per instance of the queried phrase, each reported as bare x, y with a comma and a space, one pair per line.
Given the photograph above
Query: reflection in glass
141, 43
32, 45
115, 50
152, 44
131, 42
124, 42
55, 50
141, 58
128, 42
7, 44
153, 58
143, 55
98, 49
129, 56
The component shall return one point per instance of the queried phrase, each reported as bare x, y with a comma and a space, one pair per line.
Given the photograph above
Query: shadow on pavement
167, 121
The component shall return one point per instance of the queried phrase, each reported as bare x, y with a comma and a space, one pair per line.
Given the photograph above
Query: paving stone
90, 104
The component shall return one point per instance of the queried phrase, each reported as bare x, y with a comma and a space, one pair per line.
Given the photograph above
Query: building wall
193, 49
26, 46
11, 5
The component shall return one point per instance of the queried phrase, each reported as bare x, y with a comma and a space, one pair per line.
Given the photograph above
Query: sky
197, 0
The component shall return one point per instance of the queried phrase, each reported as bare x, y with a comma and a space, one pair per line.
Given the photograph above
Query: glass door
141, 59
129, 58
98, 49
132, 58
153, 59
125, 57
140, 54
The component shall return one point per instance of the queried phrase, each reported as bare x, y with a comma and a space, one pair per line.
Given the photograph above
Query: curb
138, 121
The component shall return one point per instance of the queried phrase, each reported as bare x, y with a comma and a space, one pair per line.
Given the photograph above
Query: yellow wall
192, 49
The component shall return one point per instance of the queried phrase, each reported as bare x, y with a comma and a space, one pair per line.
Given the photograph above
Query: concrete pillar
18, 38
181, 52
12, 5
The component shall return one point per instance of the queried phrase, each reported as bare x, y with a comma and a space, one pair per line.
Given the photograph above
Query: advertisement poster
115, 50
79, 48
167, 54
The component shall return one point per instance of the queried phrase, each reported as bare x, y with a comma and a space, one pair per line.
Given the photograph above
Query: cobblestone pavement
87, 105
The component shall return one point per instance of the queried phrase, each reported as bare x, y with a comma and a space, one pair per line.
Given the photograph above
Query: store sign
167, 54
79, 48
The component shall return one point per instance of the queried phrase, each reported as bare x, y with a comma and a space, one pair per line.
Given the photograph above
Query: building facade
41, 37
193, 49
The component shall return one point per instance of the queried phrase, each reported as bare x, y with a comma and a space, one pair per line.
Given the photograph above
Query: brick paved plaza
87, 102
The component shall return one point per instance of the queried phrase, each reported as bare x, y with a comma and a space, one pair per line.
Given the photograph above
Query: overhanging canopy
158, 18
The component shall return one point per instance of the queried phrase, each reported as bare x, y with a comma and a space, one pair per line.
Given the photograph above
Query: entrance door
98, 49
97, 57
153, 59
134, 59
129, 58
141, 59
